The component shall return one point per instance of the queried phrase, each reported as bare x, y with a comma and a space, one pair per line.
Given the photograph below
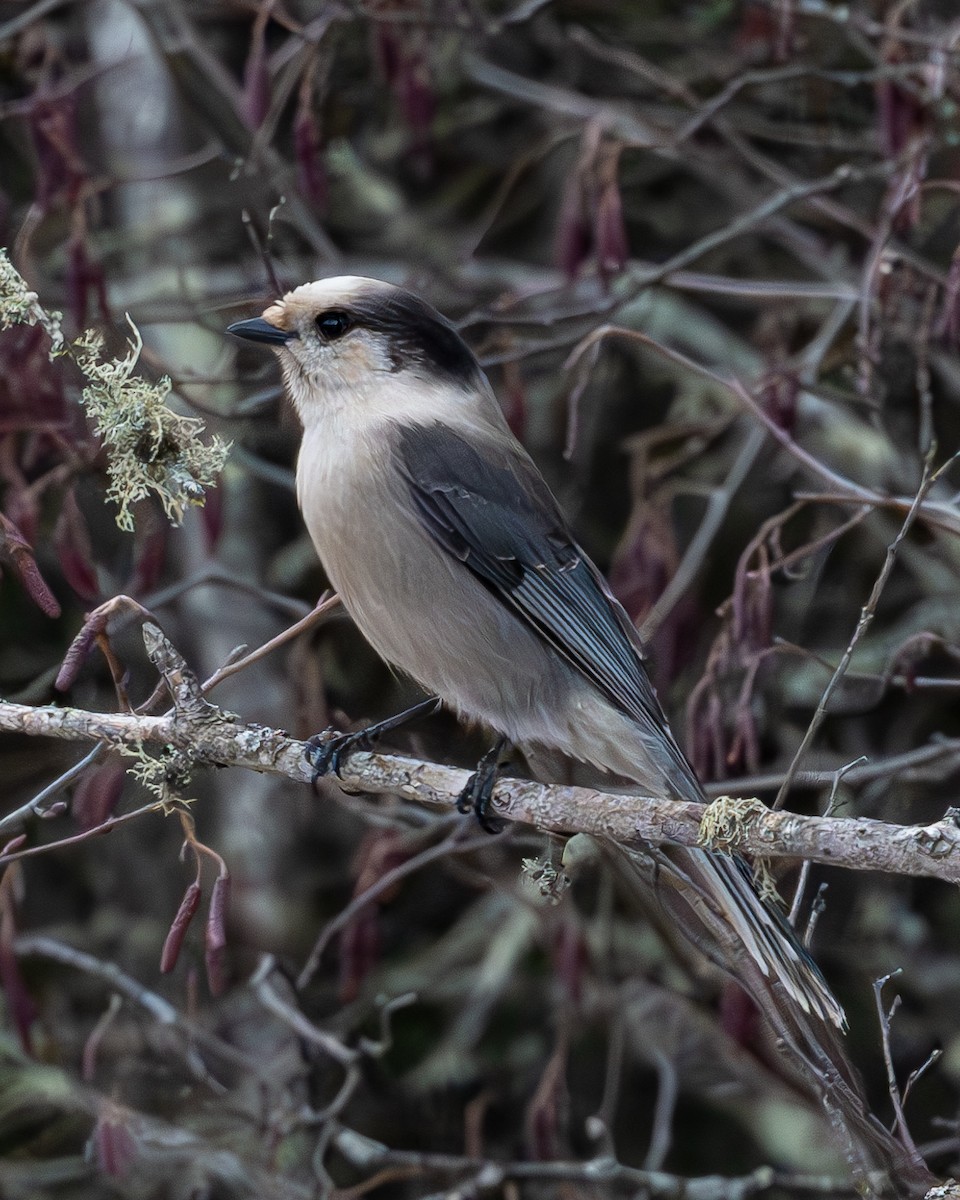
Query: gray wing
491, 509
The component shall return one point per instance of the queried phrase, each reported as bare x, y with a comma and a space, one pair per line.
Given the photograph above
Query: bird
454, 559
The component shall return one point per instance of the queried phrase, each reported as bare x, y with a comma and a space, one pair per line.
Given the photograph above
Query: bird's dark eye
333, 325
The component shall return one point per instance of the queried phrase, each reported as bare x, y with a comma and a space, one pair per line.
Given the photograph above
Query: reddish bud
571, 244
766, 32
900, 116
752, 606
20, 1006
114, 1146
35, 585
76, 282
610, 233
569, 954
60, 168
149, 555
16, 547
378, 853
745, 747
905, 193
763, 36
79, 648
211, 515
215, 935
756, 33
542, 1130
948, 322
907, 658
72, 543
97, 794
752, 611
548, 1111
645, 560
256, 76
84, 275
173, 943
761, 612
307, 147
21, 506
32, 397
715, 738
359, 952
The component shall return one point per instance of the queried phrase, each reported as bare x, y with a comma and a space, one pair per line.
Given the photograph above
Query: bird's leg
325, 753
478, 793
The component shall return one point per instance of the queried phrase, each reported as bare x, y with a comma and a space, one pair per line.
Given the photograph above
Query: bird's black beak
259, 330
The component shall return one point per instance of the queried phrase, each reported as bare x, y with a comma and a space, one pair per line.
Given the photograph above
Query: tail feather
725, 883
711, 899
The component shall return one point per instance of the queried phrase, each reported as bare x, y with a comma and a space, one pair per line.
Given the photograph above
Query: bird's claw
327, 752
478, 793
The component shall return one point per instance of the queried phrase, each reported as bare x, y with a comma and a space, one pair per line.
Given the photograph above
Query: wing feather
494, 512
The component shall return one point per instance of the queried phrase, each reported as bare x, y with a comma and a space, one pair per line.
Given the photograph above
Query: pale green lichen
723, 825
150, 448
166, 777
544, 876
20, 306
723, 828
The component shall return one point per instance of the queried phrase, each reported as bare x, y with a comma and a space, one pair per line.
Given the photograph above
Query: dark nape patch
417, 335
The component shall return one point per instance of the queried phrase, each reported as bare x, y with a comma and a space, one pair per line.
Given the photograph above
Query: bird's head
342, 339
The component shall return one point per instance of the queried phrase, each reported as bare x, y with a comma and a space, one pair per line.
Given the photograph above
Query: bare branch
857, 843
367, 1154
866, 618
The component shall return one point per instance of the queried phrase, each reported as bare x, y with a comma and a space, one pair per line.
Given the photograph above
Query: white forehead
339, 289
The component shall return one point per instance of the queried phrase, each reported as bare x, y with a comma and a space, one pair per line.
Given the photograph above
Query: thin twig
866, 618
34, 806
885, 1016
325, 605
456, 843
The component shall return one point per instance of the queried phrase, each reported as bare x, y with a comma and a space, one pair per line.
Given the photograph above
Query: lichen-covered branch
150, 447
208, 736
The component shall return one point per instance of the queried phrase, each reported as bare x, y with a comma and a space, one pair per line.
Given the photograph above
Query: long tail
711, 899
721, 889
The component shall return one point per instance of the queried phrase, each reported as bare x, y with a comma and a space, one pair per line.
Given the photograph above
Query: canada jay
452, 556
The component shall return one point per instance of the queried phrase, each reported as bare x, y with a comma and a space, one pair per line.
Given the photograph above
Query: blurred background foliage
769, 193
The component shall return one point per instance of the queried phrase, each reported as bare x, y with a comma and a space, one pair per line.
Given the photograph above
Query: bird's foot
327, 752
478, 793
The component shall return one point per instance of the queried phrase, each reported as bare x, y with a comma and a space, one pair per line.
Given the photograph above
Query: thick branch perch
209, 736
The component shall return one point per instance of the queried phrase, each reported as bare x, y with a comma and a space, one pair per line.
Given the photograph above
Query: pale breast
420, 608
